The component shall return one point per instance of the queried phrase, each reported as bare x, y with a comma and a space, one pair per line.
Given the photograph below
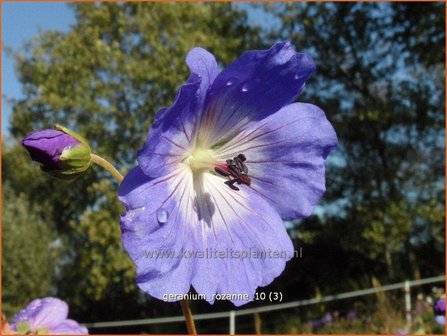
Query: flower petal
173, 132
202, 63
154, 244
244, 236
47, 145
285, 156
206, 219
69, 327
440, 319
43, 313
254, 86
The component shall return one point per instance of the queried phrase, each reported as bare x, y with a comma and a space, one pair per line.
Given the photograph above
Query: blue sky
20, 22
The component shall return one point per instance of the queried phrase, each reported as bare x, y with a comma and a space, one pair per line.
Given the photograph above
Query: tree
28, 252
385, 94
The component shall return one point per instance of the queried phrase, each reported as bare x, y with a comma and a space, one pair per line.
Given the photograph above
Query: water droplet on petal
298, 76
229, 82
244, 88
162, 215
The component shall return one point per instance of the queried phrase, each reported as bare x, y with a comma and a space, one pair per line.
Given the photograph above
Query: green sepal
75, 157
42, 331
73, 161
75, 135
65, 174
22, 327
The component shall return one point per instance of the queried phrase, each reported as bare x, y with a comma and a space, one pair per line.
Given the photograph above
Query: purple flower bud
62, 153
46, 316
47, 146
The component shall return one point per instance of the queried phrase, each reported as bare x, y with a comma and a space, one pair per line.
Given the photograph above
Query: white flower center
201, 160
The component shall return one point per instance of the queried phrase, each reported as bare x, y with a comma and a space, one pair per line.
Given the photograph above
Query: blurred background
104, 69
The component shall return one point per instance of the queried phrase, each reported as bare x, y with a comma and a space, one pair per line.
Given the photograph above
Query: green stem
116, 174
107, 166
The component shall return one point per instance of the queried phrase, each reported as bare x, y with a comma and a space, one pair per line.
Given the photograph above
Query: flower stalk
107, 166
117, 175
188, 317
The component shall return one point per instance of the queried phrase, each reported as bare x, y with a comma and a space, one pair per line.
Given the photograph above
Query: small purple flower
314, 324
221, 169
352, 315
46, 316
440, 319
440, 306
327, 318
61, 152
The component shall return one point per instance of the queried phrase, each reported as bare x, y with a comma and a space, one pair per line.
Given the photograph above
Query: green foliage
421, 27
28, 252
101, 251
385, 317
380, 78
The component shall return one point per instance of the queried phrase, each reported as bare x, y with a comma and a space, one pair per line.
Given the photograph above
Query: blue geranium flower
439, 308
220, 171
45, 316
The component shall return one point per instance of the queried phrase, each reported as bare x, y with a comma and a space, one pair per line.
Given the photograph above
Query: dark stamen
235, 168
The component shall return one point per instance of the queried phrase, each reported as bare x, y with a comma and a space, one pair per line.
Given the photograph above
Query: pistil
201, 160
